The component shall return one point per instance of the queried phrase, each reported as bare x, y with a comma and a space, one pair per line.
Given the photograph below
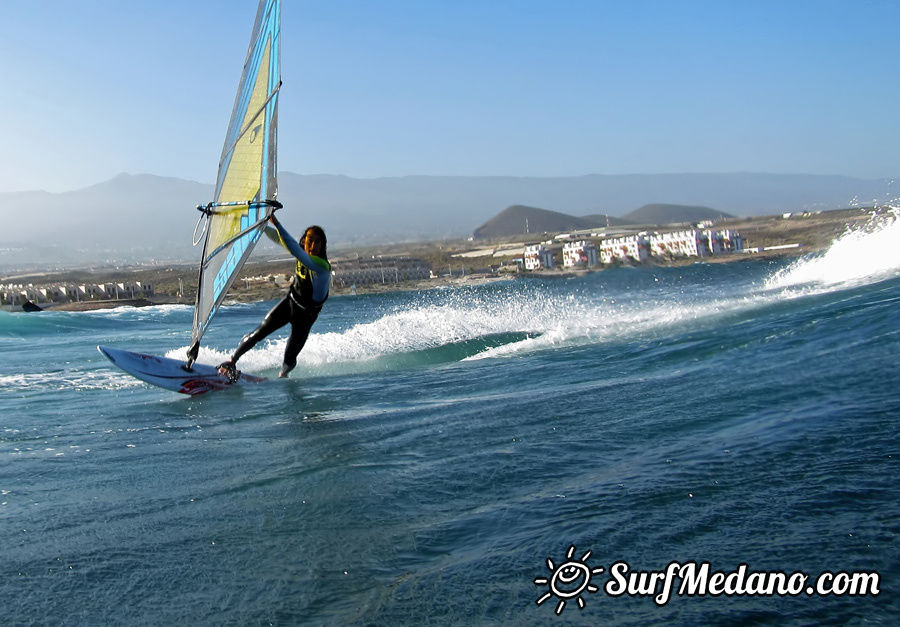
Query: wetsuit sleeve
273, 234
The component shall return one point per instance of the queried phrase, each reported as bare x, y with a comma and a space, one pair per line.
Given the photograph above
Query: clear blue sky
372, 88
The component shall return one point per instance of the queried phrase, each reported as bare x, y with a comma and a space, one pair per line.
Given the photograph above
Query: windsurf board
171, 374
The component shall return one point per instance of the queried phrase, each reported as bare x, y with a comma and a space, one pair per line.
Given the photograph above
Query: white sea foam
544, 319
396, 332
863, 255
81, 380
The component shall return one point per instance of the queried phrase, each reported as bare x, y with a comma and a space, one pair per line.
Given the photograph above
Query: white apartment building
687, 243
582, 253
690, 243
538, 256
725, 241
16, 294
636, 247
382, 269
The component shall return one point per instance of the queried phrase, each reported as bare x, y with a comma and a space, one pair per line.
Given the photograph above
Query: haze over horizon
472, 88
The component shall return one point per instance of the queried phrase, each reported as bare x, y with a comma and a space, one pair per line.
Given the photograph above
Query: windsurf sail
246, 185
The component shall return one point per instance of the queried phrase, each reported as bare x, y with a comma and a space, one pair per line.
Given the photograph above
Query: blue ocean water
437, 454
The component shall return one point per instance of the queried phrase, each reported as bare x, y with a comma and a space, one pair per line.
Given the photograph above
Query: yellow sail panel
242, 177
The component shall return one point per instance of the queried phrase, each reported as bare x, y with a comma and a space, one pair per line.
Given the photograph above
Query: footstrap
230, 371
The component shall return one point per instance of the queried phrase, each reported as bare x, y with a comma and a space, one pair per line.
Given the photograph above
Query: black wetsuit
298, 307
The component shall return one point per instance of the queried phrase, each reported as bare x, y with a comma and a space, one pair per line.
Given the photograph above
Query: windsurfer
301, 305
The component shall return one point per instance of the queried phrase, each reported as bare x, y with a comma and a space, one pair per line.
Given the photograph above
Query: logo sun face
568, 581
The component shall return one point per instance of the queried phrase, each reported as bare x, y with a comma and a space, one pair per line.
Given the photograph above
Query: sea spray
501, 320
861, 255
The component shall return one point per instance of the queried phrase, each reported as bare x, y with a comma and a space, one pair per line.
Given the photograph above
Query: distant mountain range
142, 217
524, 220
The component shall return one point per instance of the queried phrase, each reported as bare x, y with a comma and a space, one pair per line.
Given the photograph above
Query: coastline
165, 299
88, 305
766, 237
277, 291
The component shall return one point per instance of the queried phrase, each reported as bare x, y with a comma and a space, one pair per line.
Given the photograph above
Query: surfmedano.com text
700, 580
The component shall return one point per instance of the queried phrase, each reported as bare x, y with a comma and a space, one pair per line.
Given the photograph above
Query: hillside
521, 219
524, 220
660, 213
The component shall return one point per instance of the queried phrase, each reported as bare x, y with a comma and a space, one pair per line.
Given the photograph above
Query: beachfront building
691, 243
538, 256
12, 294
88, 291
136, 289
358, 270
18, 293
36, 294
75, 293
725, 241
128, 290
580, 253
635, 247
671, 245
696, 243
15, 294
56, 293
